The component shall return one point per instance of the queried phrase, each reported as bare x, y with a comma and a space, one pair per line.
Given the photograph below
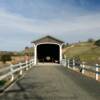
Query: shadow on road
19, 88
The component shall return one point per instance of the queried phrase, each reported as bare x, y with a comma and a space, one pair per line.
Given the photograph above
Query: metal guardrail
12, 69
82, 67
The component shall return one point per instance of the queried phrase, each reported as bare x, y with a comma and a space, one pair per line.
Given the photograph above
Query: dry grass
4, 65
90, 74
86, 51
14, 61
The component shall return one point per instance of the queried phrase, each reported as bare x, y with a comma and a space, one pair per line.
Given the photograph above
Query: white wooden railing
82, 67
94, 69
12, 69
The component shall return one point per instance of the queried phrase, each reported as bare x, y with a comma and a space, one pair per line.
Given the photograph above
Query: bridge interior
48, 53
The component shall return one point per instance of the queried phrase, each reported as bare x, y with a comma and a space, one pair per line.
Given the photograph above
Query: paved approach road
53, 82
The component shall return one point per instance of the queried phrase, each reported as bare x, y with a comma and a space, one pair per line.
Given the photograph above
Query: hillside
29, 51
88, 52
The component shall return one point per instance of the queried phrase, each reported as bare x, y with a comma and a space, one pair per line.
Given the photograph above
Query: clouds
22, 22
16, 23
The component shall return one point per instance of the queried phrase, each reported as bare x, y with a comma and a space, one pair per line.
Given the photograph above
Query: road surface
53, 82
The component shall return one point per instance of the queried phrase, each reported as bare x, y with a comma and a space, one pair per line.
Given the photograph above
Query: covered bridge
48, 49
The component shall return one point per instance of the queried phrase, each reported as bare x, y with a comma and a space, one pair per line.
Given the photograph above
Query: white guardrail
82, 67
12, 69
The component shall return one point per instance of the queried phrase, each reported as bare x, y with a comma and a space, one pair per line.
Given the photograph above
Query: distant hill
18, 53
6, 52
86, 51
30, 51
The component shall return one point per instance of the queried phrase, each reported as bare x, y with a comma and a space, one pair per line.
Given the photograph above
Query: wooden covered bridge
48, 49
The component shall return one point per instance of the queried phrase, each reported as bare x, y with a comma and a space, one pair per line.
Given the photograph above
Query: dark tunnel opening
48, 53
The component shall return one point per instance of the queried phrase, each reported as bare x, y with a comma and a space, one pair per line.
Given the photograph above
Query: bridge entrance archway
48, 53
48, 49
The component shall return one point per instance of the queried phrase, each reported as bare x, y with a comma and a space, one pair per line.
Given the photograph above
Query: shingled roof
48, 39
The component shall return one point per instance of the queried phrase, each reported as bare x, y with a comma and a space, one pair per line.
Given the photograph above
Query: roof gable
48, 39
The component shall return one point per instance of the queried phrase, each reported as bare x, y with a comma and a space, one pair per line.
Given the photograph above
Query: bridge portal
48, 49
48, 53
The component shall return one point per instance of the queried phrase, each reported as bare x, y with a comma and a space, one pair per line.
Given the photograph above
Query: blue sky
22, 21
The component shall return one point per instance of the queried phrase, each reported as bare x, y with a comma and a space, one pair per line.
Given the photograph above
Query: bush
97, 43
65, 45
5, 57
2, 82
90, 40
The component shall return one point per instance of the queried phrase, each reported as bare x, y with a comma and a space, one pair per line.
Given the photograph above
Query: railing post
12, 71
21, 71
68, 63
33, 62
26, 65
97, 70
63, 62
30, 63
73, 64
83, 67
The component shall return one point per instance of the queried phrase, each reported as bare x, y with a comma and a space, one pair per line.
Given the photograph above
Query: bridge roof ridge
48, 38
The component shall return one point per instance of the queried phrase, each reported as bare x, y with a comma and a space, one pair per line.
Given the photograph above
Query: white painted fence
95, 69
12, 69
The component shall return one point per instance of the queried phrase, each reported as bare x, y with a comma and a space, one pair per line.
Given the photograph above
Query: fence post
12, 71
21, 71
63, 62
73, 64
97, 70
83, 67
26, 65
30, 63
68, 63
33, 63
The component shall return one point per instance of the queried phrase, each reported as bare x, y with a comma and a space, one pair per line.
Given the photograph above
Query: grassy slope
86, 51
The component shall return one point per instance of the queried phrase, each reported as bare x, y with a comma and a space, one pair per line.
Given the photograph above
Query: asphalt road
54, 82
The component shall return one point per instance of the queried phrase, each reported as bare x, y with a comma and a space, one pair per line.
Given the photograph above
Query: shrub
5, 57
2, 82
90, 40
97, 43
